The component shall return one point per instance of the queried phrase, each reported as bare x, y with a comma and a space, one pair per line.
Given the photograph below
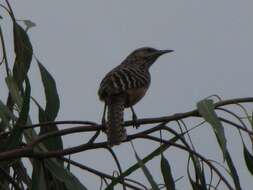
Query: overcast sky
80, 41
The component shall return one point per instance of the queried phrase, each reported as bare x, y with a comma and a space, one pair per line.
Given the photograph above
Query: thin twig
93, 138
233, 114
96, 172
68, 122
62, 133
235, 125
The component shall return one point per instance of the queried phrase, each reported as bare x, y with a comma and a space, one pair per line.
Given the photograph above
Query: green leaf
39, 181
5, 114
15, 138
23, 116
206, 110
195, 185
29, 24
136, 166
54, 167
14, 90
52, 98
233, 171
200, 182
23, 50
51, 110
167, 174
16, 134
248, 159
146, 171
54, 143
199, 172
29, 134
63, 175
251, 120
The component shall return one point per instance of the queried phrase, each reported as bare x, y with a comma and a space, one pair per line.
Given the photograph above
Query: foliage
45, 151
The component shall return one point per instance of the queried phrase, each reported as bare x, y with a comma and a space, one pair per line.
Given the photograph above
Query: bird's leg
134, 116
103, 117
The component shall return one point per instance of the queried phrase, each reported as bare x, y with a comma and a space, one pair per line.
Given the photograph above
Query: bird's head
145, 56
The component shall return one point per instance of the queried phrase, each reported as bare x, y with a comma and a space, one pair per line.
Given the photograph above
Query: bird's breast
134, 96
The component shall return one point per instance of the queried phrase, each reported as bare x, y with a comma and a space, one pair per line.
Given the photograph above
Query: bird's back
123, 79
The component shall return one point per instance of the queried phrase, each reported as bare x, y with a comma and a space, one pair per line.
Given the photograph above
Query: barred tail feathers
116, 133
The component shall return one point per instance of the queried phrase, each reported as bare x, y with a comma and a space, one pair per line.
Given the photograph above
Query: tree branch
174, 117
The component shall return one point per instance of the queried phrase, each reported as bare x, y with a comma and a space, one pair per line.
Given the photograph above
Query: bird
123, 87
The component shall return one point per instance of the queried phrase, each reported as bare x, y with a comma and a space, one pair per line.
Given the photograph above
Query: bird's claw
135, 123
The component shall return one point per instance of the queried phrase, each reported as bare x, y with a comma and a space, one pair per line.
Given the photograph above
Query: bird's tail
116, 133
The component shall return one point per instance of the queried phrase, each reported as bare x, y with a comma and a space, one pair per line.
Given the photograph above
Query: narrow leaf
23, 116
206, 110
233, 171
251, 123
195, 184
14, 90
167, 174
146, 171
38, 177
63, 175
13, 140
199, 172
54, 143
55, 168
52, 98
51, 110
29, 24
5, 114
23, 50
248, 159
16, 134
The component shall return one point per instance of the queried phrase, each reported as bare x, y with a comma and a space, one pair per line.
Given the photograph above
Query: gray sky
80, 41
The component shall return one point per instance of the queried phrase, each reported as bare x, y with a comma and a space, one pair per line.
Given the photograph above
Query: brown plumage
123, 87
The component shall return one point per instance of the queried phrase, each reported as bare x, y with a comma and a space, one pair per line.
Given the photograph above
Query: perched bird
123, 87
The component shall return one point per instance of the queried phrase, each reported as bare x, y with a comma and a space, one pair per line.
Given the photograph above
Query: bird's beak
161, 52
158, 53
